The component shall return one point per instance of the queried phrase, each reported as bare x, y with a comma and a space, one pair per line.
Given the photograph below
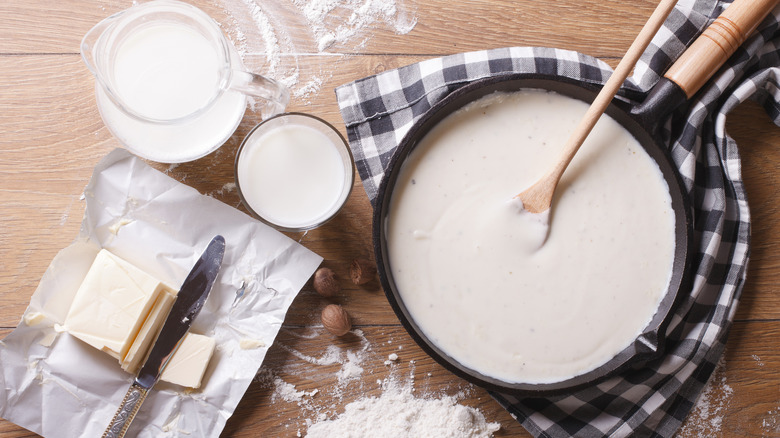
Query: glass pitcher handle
275, 94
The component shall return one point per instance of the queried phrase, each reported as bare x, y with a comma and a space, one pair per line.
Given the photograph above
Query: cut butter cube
120, 309
112, 304
188, 364
148, 333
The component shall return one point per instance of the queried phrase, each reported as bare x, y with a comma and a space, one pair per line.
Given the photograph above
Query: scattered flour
269, 33
351, 369
309, 88
351, 361
226, 188
398, 413
391, 358
706, 418
771, 423
337, 21
327, 22
332, 356
289, 393
171, 168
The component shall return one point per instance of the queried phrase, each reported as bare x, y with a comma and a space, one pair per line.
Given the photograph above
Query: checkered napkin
653, 400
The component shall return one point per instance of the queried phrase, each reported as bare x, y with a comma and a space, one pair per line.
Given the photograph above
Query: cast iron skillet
682, 80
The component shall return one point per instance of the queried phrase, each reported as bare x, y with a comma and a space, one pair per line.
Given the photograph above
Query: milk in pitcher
167, 73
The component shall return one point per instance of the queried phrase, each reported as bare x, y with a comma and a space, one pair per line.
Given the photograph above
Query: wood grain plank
40, 26
742, 398
27, 254
49, 121
52, 138
758, 138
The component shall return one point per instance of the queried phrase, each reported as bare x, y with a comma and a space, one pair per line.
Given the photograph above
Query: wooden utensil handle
717, 43
602, 101
127, 410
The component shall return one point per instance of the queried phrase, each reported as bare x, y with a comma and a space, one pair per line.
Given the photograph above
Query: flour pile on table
398, 413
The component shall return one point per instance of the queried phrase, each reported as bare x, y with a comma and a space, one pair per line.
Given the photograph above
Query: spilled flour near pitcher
269, 39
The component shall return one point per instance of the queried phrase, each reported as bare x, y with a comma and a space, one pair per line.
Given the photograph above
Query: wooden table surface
51, 136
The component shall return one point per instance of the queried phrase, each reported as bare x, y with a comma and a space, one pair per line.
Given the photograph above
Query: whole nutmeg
326, 283
336, 320
362, 271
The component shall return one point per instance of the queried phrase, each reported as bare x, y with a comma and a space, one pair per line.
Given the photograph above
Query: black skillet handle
701, 60
717, 43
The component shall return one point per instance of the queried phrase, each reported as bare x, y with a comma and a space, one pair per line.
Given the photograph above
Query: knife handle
124, 415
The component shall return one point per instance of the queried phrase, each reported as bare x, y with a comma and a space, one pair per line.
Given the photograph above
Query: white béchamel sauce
474, 269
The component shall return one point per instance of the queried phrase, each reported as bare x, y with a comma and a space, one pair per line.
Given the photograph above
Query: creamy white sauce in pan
475, 271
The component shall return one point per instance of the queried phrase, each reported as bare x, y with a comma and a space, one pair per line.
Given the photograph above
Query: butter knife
189, 301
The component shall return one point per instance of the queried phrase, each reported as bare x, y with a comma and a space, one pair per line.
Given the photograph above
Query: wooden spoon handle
717, 43
539, 196
623, 69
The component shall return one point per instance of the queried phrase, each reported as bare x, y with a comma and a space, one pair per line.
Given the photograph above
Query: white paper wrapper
55, 385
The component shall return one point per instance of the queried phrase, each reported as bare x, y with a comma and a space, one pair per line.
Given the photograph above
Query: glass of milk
294, 171
169, 85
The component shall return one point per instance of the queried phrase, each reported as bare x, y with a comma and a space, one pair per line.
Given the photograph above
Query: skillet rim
649, 345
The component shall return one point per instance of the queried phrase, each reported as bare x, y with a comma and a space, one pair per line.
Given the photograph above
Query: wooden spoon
538, 197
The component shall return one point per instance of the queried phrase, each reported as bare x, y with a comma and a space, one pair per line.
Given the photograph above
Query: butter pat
189, 363
148, 333
112, 304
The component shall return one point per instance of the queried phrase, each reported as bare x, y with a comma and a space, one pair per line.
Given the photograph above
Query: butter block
120, 309
112, 304
189, 363
148, 333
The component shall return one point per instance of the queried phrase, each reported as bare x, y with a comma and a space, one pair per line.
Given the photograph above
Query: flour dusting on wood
391, 407
706, 418
770, 424
397, 412
272, 38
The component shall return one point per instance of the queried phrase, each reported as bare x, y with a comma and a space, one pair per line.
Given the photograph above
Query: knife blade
189, 301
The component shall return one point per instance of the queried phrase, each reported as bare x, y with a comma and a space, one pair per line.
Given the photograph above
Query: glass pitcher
169, 85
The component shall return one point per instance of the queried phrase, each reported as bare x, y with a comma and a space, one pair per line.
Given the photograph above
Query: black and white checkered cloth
653, 400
